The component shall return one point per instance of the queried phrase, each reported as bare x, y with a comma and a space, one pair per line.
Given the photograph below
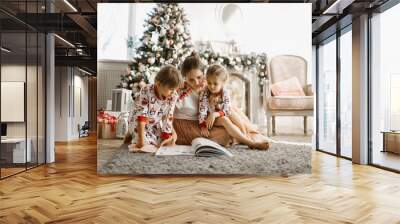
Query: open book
201, 147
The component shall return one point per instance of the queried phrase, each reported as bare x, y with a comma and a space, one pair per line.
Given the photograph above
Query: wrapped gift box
106, 125
108, 131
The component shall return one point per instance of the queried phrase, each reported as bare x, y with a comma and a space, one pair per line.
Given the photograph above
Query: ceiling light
5, 50
70, 5
64, 40
84, 71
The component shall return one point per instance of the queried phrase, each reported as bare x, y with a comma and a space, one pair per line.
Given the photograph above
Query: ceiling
76, 22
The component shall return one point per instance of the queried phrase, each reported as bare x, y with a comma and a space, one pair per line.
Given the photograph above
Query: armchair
282, 68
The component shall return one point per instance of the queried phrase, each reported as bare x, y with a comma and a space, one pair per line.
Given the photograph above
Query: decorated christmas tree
166, 40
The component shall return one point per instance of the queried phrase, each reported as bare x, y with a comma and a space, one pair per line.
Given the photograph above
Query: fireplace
239, 88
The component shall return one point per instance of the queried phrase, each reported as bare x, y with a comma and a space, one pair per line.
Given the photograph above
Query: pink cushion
288, 87
291, 103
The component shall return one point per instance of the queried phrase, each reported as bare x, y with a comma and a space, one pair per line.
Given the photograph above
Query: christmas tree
166, 40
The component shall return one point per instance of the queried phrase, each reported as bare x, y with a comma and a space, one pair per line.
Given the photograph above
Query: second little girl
215, 108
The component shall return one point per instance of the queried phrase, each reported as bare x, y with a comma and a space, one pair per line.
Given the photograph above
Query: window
346, 93
327, 96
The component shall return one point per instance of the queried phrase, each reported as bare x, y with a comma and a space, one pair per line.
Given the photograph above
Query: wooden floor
10, 171
70, 191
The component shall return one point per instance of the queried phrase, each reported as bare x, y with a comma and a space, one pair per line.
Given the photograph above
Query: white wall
270, 28
61, 103
113, 32
108, 77
67, 80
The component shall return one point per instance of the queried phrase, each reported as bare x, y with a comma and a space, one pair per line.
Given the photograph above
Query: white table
17, 145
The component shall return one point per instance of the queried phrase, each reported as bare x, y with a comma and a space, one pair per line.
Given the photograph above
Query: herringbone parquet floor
70, 191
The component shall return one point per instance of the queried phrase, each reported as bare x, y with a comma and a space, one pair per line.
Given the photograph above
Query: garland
255, 63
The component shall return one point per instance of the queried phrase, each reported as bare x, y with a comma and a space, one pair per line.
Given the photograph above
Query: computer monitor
3, 130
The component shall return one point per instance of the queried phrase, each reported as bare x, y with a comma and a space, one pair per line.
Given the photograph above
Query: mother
186, 114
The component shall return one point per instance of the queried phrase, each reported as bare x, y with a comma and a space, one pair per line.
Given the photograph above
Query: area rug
282, 158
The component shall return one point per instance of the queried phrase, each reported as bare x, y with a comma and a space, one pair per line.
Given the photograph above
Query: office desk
13, 150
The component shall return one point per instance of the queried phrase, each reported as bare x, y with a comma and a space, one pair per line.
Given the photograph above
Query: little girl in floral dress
152, 115
215, 109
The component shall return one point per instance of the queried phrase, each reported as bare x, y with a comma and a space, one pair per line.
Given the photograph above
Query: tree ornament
142, 84
179, 28
141, 67
178, 46
154, 21
163, 32
151, 60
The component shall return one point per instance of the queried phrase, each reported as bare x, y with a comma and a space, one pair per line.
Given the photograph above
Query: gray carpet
282, 158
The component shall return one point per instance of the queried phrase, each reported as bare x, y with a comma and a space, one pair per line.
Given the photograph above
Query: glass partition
22, 67
13, 103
